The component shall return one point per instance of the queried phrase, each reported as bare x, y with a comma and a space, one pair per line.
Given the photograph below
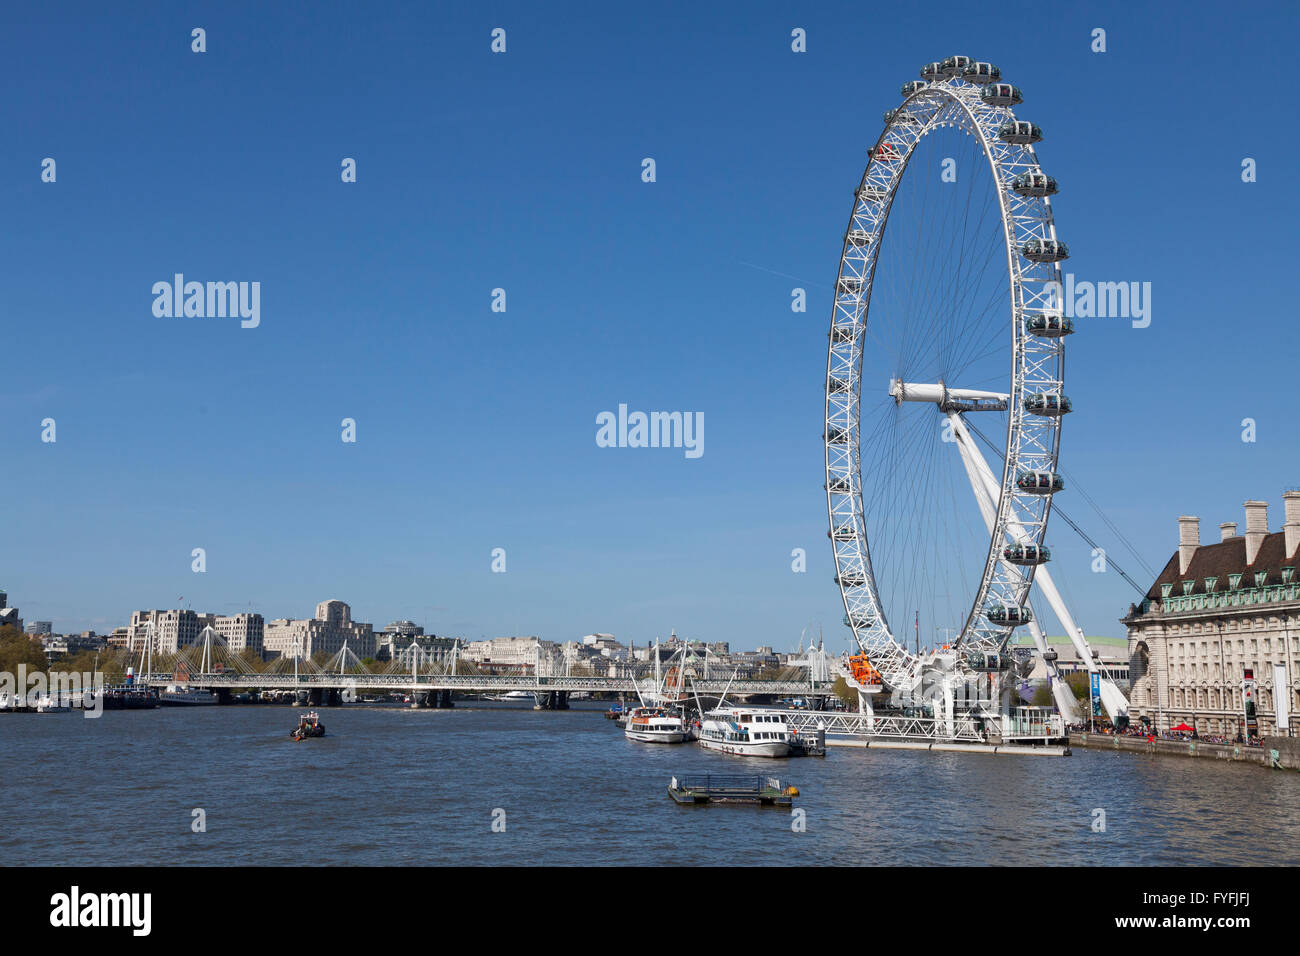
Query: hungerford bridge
431, 677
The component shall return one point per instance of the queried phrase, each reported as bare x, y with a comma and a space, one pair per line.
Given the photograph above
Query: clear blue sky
477, 430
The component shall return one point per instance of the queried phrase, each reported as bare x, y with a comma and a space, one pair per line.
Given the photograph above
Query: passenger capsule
1050, 654
1049, 325
886, 152
981, 661
1034, 184
860, 619
840, 484
851, 579
858, 237
1045, 250
1049, 404
1009, 615
981, 73
1001, 94
1026, 554
903, 117
837, 385
1019, 132
842, 532
837, 436
955, 65
848, 285
843, 333
911, 86
1040, 482
932, 72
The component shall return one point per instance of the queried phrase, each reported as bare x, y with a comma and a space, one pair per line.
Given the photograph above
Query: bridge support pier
301, 698
315, 696
551, 700
223, 695
435, 699
333, 698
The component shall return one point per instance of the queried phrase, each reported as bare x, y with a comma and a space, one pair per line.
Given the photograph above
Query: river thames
396, 786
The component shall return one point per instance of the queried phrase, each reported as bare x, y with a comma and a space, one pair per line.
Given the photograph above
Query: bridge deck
479, 683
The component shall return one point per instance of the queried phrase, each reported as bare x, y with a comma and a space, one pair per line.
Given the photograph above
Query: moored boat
655, 725
180, 695
745, 732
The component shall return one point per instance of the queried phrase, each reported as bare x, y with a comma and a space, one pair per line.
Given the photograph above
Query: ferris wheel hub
948, 399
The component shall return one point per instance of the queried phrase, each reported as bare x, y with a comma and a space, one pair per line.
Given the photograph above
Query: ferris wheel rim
945, 100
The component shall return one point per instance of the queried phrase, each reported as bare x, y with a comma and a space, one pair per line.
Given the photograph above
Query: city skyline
477, 430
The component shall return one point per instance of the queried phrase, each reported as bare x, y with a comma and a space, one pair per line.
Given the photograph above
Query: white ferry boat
655, 725
746, 732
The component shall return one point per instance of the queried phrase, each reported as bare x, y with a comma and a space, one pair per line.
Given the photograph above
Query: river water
390, 785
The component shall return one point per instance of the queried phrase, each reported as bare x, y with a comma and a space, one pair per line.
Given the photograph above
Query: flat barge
753, 789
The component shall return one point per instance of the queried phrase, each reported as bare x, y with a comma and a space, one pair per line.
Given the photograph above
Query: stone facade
327, 631
173, 629
1213, 612
177, 628
242, 632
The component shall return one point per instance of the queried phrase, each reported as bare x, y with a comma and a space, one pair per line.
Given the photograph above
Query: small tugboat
309, 725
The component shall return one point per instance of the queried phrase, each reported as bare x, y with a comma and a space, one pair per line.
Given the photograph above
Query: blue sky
476, 430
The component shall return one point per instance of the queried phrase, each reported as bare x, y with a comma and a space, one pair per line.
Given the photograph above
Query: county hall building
1216, 614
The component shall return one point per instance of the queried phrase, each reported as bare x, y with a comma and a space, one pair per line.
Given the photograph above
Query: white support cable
1112, 697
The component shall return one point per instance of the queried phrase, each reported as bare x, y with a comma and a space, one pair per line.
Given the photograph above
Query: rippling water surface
396, 786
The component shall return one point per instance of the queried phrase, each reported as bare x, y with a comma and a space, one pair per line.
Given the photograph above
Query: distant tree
18, 648
1042, 696
82, 662
1078, 682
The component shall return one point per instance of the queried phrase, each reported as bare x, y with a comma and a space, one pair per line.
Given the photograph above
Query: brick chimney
1291, 500
1189, 539
1256, 527
1227, 530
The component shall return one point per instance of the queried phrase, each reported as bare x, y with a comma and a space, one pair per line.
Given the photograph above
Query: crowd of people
1102, 726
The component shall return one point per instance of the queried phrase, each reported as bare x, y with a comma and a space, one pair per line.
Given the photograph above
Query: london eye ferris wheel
946, 332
